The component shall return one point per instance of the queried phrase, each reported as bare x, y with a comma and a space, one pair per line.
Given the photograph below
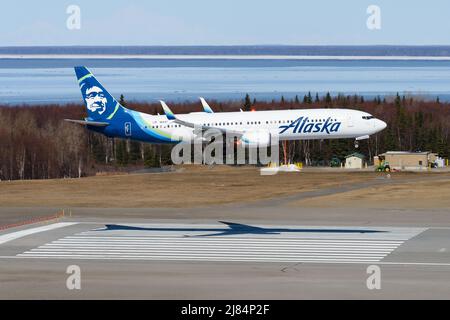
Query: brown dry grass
409, 195
191, 186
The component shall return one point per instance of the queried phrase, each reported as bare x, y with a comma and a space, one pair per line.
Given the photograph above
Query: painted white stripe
187, 240
240, 245
202, 237
23, 233
226, 239
216, 246
301, 248
223, 242
231, 252
205, 259
224, 247
288, 257
231, 238
283, 235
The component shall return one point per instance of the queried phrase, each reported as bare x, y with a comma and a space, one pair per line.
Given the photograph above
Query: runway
222, 260
213, 242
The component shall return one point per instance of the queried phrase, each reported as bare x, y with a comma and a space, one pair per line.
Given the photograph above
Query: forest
36, 143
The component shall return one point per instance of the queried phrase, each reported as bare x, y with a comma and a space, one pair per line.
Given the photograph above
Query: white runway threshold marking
193, 242
19, 234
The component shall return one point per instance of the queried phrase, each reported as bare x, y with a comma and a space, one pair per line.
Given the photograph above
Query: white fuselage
294, 124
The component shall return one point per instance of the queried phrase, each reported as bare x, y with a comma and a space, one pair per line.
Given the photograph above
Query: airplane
252, 128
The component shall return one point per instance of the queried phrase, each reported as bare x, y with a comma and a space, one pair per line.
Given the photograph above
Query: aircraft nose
381, 124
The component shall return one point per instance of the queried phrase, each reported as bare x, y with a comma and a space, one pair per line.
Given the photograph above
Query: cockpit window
368, 117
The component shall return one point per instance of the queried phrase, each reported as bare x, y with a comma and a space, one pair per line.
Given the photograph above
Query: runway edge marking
23, 233
430, 264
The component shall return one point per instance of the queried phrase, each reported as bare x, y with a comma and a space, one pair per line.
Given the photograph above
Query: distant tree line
36, 143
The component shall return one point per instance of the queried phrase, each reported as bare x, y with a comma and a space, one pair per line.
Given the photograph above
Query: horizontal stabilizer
171, 116
88, 123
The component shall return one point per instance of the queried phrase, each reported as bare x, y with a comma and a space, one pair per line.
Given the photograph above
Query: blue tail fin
100, 104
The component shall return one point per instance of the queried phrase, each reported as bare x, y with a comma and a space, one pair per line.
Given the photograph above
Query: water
33, 81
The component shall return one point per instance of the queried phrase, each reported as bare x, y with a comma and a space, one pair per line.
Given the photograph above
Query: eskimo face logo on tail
304, 125
95, 99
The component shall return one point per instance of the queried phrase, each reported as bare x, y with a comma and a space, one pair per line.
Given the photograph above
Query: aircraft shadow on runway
236, 229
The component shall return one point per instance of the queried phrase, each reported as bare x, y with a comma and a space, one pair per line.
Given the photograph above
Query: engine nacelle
255, 139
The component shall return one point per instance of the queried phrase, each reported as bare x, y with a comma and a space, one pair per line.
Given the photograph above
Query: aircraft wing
88, 123
171, 116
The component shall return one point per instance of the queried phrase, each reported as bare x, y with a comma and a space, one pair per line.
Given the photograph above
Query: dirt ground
428, 194
189, 186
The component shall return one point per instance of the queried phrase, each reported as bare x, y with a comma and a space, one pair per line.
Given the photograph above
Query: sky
225, 22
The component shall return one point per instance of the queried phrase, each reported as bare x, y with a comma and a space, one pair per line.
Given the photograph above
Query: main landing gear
360, 138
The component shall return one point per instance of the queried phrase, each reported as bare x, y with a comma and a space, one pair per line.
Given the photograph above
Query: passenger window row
219, 124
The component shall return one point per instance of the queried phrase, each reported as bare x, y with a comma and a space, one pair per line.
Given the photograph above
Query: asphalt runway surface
132, 258
265, 249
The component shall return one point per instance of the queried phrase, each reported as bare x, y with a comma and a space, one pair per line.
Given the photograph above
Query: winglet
167, 111
206, 106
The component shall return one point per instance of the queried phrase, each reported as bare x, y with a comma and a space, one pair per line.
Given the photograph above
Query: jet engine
255, 139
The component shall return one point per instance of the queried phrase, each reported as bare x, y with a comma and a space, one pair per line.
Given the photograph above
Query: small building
354, 161
404, 160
